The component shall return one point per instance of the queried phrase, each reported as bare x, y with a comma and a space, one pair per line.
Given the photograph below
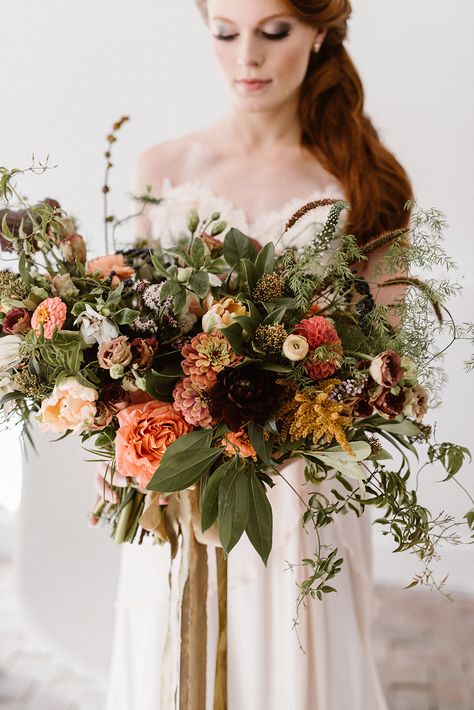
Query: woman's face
261, 40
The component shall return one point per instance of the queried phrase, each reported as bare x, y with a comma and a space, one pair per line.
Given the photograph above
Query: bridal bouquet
205, 367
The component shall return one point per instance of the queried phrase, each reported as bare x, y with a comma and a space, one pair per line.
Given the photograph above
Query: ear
320, 36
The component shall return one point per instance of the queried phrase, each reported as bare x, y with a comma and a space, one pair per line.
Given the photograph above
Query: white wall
72, 68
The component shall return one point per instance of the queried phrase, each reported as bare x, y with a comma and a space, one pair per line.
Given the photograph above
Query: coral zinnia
319, 332
205, 356
50, 313
192, 402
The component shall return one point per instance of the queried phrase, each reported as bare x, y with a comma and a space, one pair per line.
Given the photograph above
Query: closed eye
280, 35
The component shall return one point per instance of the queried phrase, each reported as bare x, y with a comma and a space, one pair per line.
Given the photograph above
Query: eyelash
280, 35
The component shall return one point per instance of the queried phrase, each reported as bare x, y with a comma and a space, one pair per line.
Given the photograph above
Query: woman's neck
263, 131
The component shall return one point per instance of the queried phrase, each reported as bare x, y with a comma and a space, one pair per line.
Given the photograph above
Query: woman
296, 131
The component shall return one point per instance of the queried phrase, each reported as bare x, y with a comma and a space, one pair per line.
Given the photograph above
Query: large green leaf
182, 469
259, 526
198, 253
250, 274
233, 504
169, 289
276, 316
237, 246
199, 283
209, 507
262, 446
234, 335
265, 261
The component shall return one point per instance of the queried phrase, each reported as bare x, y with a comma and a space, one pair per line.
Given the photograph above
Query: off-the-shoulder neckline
333, 190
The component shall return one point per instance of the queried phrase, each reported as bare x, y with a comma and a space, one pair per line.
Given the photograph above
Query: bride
296, 131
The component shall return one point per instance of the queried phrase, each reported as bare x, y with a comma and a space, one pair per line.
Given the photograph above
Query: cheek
225, 55
291, 64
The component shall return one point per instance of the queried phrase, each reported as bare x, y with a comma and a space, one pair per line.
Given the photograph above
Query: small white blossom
95, 328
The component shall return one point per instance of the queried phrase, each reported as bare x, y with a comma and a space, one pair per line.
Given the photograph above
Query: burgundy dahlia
243, 394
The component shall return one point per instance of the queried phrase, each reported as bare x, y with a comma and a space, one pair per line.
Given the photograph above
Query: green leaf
234, 335
233, 504
275, 367
237, 246
199, 283
275, 316
181, 470
265, 261
198, 253
259, 526
262, 446
125, 316
209, 507
22, 268
159, 267
169, 289
115, 296
246, 323
250, 274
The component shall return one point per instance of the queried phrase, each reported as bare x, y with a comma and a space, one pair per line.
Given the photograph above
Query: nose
249, 55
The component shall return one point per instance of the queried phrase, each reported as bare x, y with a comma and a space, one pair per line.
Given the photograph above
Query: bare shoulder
178, 159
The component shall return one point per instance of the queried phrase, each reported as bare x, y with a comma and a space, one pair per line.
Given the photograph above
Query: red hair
339, 134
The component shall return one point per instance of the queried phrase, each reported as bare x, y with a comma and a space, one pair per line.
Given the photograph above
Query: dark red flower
388, 404
17, 320
143, 350
243, 394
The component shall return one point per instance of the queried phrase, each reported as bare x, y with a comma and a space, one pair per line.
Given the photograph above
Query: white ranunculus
10, 351
295, 348
95, 328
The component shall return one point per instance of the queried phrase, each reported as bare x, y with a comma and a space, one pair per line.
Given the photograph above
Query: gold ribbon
220, 685
188, 602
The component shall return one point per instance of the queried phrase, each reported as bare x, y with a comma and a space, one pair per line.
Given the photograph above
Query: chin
257, 104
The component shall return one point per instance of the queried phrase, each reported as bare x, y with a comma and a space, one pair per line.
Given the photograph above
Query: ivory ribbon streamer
220, 686
183, 663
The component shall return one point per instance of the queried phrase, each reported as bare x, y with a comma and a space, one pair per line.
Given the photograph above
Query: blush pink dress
327, 661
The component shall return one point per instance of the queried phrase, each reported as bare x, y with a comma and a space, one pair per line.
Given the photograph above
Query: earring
316, 47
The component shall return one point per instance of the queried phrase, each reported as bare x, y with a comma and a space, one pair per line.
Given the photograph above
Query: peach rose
145, 432
70, 406
113, 264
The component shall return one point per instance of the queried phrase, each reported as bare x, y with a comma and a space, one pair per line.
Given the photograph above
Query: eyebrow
270, 17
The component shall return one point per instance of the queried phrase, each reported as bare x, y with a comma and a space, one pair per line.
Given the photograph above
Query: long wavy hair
339, 134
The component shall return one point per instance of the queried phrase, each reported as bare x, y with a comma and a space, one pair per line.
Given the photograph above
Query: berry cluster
347, 389
366, 304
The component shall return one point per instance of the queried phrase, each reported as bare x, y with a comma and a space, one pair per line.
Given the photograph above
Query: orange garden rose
145, 432
113, 264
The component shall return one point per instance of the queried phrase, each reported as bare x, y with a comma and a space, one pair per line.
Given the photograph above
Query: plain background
70, 69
